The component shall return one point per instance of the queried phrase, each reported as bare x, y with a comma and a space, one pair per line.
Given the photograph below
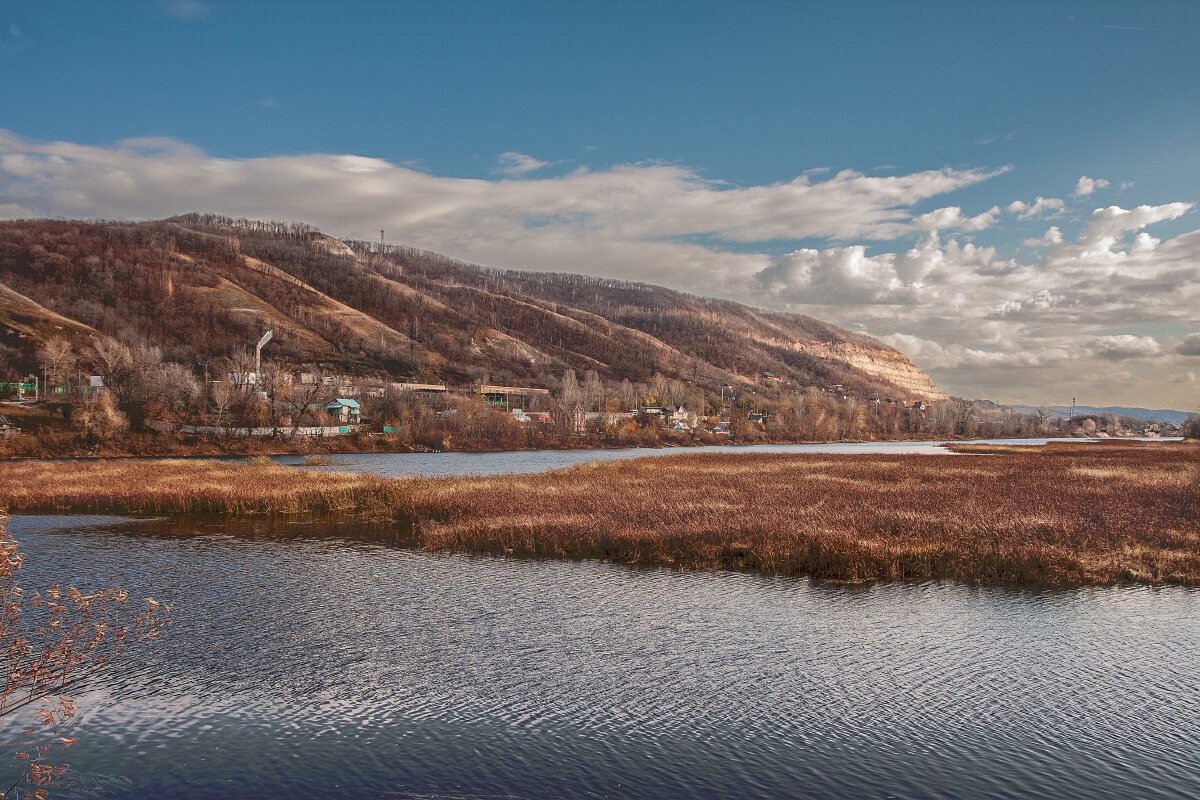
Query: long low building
422, 388
509, 396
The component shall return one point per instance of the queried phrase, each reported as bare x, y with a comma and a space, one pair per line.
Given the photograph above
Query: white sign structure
258, 350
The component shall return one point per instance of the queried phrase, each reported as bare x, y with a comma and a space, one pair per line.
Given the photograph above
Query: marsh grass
326, 461
1062, 514
189, 486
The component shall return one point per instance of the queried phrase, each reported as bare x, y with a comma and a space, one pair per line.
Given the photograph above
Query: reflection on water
397, 464
309, 664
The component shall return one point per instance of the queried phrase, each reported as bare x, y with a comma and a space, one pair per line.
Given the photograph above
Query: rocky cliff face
886, 365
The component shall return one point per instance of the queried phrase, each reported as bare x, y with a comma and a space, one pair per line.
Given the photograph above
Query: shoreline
227, 456
1058, 515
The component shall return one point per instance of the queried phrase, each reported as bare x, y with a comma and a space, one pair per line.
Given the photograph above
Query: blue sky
741, 149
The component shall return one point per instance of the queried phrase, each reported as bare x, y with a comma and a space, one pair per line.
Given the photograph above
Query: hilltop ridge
201, 287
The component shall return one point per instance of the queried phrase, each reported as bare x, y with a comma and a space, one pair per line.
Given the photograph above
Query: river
394, 465
311, 660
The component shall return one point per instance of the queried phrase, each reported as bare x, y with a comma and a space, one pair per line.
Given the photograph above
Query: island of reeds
1063, 514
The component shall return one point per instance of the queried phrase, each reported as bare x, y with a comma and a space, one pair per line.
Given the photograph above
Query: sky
1007, 192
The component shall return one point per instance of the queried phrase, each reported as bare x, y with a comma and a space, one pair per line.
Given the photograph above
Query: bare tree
593, 389
174, 388
223, 395
57, 358
307, 401
98, 420
569, 393
628, 395
112, 359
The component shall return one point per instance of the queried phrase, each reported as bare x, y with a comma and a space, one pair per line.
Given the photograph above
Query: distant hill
1143, 414
201, 287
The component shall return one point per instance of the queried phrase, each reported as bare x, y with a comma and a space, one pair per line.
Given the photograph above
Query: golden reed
1059, 515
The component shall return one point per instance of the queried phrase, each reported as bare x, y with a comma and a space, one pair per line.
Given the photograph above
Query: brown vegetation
52, 643
189, 486
1061, 515
1066, 514
200, 288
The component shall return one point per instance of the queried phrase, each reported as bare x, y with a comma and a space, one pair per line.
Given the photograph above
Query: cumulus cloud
968, 315
1085, 185
516, 165
1041, 205
936, 355
1053, 236
1125, 346
952, 218
1106, 226
1190, 346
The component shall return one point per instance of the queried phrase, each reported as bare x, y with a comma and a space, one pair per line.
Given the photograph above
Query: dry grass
1063, 514
189, 486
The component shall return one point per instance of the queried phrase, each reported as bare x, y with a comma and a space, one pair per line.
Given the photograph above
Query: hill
202, 287
1167, 415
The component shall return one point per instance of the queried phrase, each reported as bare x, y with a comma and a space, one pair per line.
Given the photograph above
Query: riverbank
1063, 514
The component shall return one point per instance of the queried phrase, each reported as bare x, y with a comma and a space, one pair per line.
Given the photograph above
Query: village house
522, 416
680, 420
345, 410
573, 419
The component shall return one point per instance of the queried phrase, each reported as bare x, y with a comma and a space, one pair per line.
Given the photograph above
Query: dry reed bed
1063, 514
188, 486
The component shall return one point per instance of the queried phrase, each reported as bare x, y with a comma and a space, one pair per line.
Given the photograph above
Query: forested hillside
202, 288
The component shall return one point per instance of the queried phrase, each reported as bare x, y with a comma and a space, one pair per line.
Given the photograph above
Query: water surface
310, 661
394, 465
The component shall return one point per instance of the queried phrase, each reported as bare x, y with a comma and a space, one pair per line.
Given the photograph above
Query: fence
215, 430
31, 388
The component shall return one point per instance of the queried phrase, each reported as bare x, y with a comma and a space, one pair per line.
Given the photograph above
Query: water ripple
305, 664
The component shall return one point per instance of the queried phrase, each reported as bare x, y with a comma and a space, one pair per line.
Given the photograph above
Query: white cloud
1190, 346
1106, 226
1085, 185
1052, 236
935, 355
613, 222
1184, 377
952, 218
969, 316
1125, 346
516, 165
1041, 205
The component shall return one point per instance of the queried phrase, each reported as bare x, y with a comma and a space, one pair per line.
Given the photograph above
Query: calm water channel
398, 464
310, 661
